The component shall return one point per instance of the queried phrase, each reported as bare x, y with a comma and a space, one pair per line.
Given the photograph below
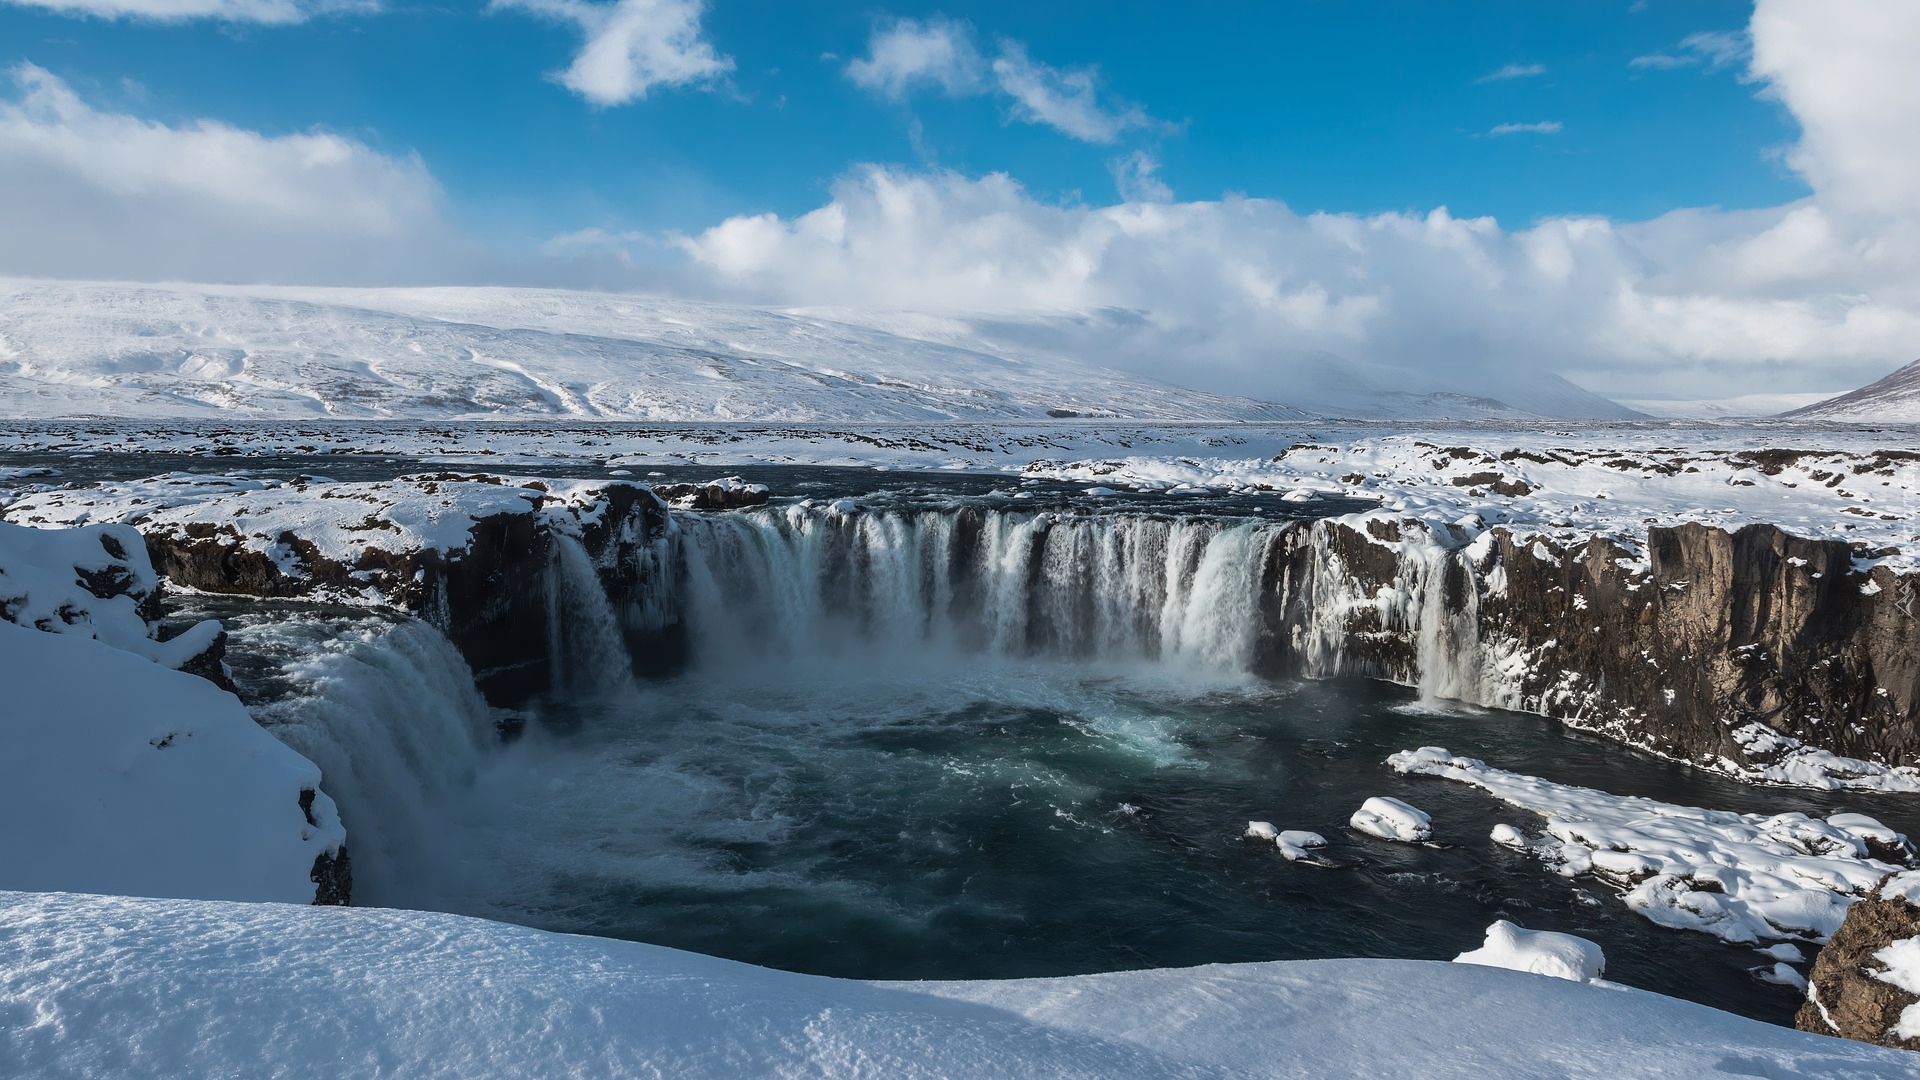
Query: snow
118, 775
1542, 952
342, 521
95, 349
1390, 819
113, 987
1744, 878
44, 585
1298, 845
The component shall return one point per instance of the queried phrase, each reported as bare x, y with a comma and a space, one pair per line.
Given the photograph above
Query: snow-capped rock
1542, 952
1390, 819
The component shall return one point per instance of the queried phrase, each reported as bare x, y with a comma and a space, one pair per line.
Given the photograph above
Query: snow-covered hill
166, 351
1893, 400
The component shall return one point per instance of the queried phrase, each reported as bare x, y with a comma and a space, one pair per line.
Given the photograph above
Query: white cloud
1819, 294
908, 53
1065, 100
247, 11
1716, 49
1846, 70
1137, 177
1543, 127
904, 54
1514, 71
631, 46
86, 193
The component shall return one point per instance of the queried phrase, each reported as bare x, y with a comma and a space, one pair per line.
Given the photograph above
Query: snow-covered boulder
1543, 952
1298, 845
95, 582
118, 775
1390, 819
1744, 878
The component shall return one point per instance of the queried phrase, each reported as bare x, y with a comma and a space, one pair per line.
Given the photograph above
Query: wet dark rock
1843, 996
491, 597
727, 494
1709, 634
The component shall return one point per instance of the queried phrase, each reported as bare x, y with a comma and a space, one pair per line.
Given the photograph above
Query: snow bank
120, 776
1391, 819
112, 987
1743, 878
1542, 952
95, 583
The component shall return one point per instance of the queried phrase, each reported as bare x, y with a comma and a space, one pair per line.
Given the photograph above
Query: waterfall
389, 712
584, 639
804, 580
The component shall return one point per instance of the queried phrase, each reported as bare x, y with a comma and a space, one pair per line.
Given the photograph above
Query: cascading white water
805, 579
389, 712
585, 644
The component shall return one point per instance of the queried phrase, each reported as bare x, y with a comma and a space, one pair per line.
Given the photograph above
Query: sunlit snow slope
70, 349
1893, 400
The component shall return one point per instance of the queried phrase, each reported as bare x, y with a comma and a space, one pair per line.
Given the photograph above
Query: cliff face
490, 587
1738, 649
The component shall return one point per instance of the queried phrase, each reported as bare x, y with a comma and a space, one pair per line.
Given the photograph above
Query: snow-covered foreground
120, 774
110, 987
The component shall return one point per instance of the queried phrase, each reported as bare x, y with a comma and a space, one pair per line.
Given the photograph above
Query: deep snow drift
113, 987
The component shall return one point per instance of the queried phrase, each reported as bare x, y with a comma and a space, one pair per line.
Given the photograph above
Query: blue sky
1325, 105
1650, 198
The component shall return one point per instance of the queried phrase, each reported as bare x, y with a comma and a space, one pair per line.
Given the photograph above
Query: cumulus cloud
247, 11
89, 193
908, 54
631, 46
1543, 127
1237, 294
1514, 71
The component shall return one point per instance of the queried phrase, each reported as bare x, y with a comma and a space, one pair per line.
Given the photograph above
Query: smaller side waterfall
587, 648
389, 712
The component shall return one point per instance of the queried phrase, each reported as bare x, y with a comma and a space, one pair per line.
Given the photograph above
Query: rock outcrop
1848, 994
479, 556
1743, 650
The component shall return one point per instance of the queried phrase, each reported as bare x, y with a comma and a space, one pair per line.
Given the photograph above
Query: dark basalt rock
1843, 996
332, 879
491, 597
1711, 632
728, 494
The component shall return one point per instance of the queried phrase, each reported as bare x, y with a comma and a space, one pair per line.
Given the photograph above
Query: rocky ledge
476, 554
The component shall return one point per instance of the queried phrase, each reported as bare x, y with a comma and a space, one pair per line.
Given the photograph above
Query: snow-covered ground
1744, 878
108, 987
91, 349
118, 774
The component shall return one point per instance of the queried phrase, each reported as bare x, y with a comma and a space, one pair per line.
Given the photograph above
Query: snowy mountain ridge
1892, 400
170, 351
165, 351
